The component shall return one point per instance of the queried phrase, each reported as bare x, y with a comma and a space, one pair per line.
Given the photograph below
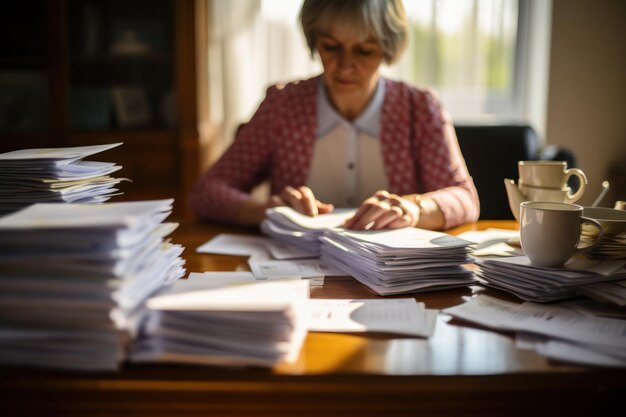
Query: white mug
555, 195
550, 174
550, 232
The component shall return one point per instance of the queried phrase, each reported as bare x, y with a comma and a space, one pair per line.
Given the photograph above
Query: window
467, 51
473, 52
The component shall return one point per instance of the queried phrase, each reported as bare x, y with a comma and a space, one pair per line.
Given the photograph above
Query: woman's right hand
302, 200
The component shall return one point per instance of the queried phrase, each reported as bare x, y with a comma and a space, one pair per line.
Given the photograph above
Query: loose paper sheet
401, 315
547, 320
303, 267
245, 245
229, 278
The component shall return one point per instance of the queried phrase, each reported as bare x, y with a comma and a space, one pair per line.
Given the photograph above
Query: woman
346, 136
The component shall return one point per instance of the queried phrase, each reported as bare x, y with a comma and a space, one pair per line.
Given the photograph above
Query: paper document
303, 267
300, 231
229, 278
519, 276
570, 352
295, 220
74, 280
238, 245
76, 152
255, 324
245, 245
399, 261
55, 216
55, 175
489, 236
402, 316
266, 296
546, 320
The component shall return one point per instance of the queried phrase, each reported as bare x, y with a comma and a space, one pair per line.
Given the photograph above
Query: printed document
245, 245
303, 267
402, 316
547, 320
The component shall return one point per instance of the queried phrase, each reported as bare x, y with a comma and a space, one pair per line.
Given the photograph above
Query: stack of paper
399, 261
258, 324
55, 175
613, 292
612, 246
301, 231
404, 316
520, 277
73, 278
553, 331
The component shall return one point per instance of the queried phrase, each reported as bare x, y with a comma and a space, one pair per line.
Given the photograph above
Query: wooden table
461, 369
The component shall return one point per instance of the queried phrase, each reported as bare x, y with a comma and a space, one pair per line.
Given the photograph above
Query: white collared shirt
347, 165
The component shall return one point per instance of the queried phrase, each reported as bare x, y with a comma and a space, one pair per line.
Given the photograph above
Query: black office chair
491, 153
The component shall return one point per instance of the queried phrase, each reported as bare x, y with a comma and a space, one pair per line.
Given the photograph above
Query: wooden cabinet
82, 72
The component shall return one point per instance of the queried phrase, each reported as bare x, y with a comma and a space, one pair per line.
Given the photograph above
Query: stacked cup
547, 181
543, 181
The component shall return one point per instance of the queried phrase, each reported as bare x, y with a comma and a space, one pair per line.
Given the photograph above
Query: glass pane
24, 83
466, 50
23, 101
121, 64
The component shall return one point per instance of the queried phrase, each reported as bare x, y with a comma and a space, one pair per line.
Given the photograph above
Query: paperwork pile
529, 282
403, 316
227, 319
73, 279
258, 324
55, 175
612, 246
613, 292
299, 230
551, 330
399, 261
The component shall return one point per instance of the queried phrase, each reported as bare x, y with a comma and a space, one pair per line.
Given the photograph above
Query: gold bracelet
417, 199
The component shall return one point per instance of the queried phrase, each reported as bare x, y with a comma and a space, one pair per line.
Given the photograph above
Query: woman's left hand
384, 211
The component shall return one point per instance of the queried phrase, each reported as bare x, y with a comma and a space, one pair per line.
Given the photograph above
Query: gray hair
385, 19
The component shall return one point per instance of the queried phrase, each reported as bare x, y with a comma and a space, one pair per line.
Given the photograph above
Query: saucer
612, 221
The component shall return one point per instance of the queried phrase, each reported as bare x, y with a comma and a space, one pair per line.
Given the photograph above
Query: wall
587, 86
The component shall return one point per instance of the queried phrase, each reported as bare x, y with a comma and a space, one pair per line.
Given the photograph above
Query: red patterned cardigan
420, 152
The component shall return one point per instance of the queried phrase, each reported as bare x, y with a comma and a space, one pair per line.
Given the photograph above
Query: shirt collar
368, 121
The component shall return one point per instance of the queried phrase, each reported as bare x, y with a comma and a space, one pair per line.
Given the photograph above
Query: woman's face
350, 62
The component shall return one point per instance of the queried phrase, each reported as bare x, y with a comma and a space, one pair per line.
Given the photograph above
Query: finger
371, 215
404, 221
286, 192
293, 198
395, 200
379, 195
308, 201
365, 206
387, 218
276, 201
382, 194
408, 208
324, 208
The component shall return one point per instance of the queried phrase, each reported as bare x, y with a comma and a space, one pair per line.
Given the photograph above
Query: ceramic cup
550, 174
554, 195
550, 232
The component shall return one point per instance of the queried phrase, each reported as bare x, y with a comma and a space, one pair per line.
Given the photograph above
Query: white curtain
252, 46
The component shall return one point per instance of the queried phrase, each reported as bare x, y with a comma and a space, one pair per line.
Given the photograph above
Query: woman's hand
384, 211
302, 200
